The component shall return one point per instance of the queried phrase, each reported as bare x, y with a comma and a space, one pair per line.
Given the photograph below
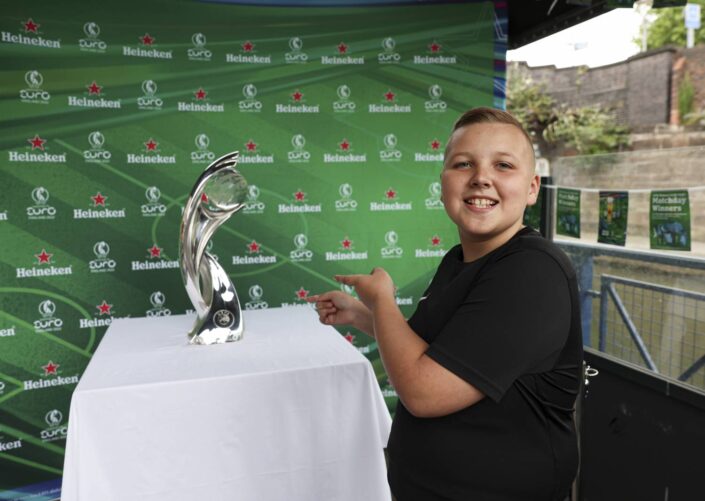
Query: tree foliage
587, 129
668, 27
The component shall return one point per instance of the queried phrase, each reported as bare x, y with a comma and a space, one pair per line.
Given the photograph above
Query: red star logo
299, 196
155, 251
347, 243
204, 198
251, 145
253, 247
94, 88
342, 48
435, 144
200, 94
391, 194
349, 337
50, 368
98, 199
104, 308
302, 293
30, 26
43, 257
248, 46
435, 47
345, 146
37, 142
297, 96
151, 145
147, 40
435, 241
389, 96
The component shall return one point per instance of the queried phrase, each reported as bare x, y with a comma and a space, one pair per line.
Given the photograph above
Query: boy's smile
487, 182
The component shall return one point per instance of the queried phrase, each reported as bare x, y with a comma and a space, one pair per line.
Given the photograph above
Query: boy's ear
534, 188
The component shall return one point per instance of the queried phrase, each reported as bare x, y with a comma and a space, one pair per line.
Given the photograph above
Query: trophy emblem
219, 192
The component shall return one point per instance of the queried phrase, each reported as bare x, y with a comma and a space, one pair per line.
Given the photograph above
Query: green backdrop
109, 112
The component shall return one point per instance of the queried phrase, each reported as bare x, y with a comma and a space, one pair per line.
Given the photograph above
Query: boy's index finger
347, 279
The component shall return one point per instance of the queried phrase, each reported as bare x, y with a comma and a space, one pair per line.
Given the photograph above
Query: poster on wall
568, 212
107, 121
612, 223
669, 220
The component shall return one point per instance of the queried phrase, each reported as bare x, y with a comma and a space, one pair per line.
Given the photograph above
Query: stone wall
638, 89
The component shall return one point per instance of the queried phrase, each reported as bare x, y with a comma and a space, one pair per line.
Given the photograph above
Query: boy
488, 367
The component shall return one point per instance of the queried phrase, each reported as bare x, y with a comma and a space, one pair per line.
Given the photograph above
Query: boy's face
487, 181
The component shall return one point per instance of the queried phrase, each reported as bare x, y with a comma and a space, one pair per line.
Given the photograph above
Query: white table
292, 412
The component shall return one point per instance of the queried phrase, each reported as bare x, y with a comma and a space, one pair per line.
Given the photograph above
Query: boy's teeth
480, 202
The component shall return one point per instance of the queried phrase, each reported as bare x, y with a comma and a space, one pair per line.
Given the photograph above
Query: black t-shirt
508, 324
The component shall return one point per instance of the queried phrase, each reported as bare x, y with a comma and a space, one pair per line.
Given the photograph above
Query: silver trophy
218, 193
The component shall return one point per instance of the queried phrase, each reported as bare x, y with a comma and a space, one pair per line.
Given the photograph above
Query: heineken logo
30, 35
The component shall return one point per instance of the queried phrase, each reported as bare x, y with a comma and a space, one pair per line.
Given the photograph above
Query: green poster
612, 226
568, 212
669, 220
111, 110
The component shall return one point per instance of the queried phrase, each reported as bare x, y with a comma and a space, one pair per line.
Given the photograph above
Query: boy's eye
461, 165
504, 165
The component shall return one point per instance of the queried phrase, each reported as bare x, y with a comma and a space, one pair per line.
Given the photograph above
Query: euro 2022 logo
256, 302
41, 209
344, 104
301, 253
250, 104
435, 104
299, 154
391, 250
158, 299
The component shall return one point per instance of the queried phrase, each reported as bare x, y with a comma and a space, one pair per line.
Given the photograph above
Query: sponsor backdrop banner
669, 220
568, 212
109, 113
614, 207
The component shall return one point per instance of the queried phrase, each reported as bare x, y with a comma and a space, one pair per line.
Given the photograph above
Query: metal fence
639, 318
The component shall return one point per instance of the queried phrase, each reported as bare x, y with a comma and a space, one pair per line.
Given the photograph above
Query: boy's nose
480, 177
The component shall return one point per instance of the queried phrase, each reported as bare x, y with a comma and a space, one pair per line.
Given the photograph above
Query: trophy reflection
219, 192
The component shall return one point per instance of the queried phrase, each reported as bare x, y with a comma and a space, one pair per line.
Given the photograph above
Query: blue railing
657, 326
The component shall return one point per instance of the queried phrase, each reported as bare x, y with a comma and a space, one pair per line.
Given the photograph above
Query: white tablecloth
292, 412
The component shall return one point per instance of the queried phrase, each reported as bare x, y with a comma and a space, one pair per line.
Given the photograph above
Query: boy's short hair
485, 115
